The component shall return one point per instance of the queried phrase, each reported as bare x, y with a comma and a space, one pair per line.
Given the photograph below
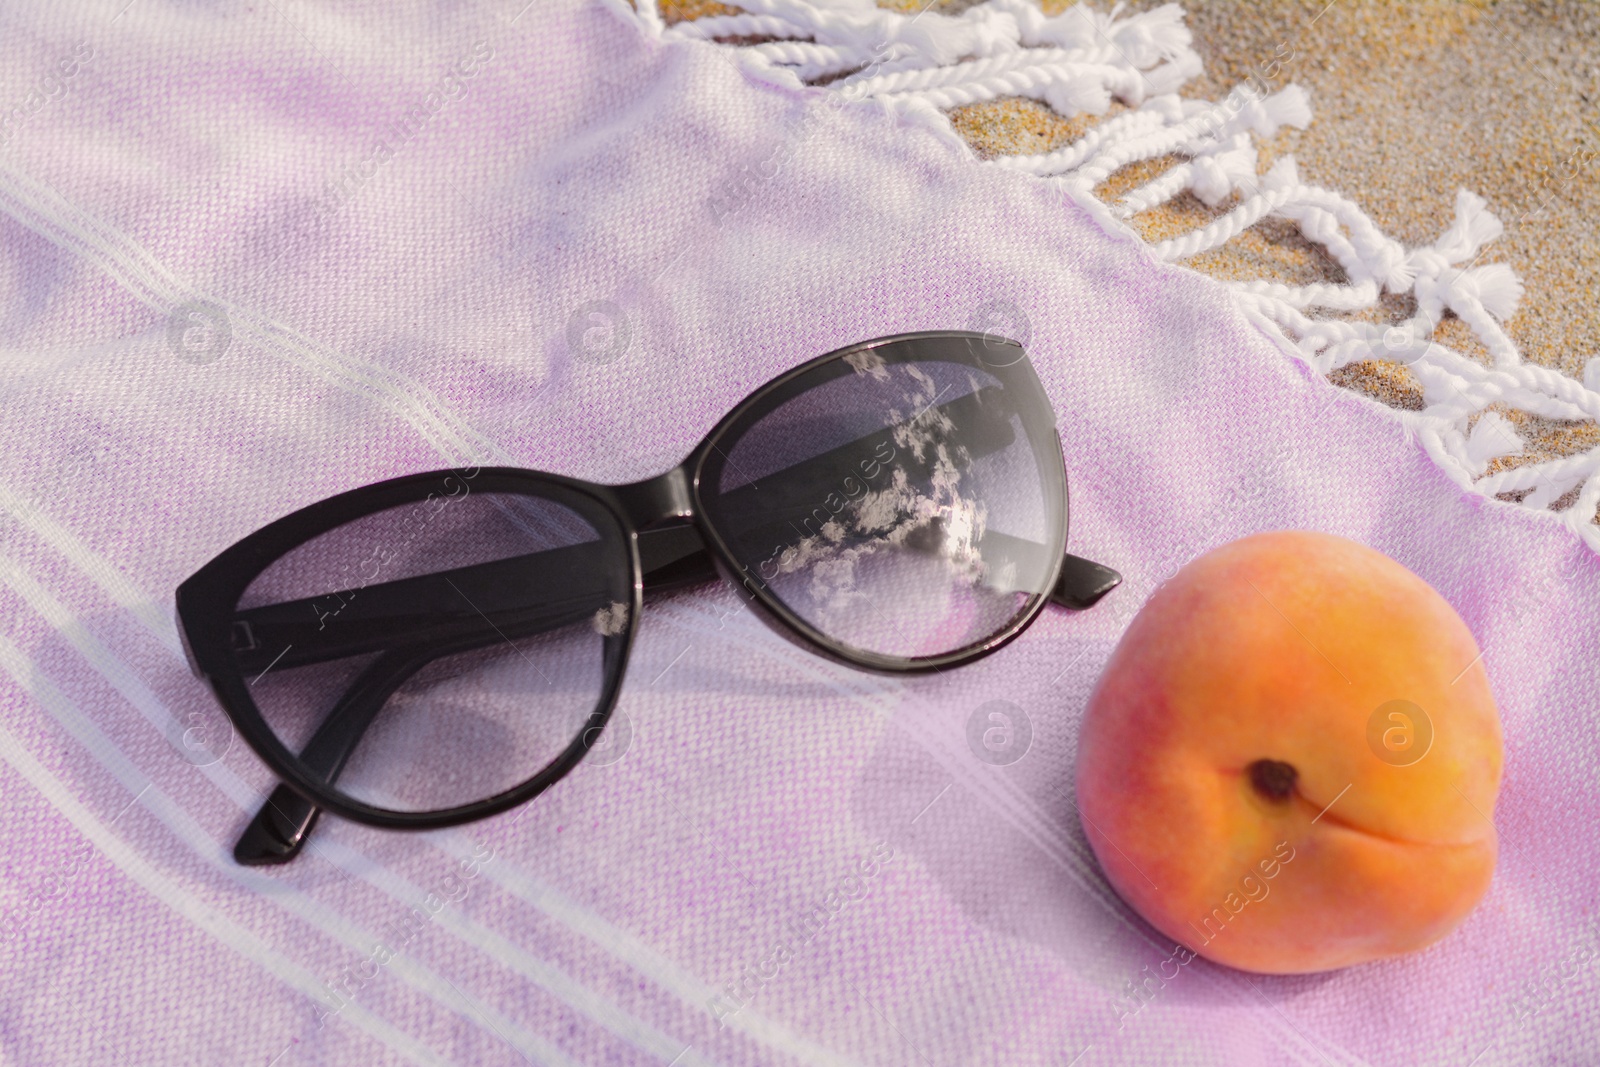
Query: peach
1291, 761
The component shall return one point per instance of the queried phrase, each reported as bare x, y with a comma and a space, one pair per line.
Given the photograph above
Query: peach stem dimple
1272, 779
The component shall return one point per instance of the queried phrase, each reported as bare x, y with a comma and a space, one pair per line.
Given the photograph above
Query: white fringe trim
918, 66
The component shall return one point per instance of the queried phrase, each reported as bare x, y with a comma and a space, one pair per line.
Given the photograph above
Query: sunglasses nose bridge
657, 499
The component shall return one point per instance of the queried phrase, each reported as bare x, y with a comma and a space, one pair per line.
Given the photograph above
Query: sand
1410, 103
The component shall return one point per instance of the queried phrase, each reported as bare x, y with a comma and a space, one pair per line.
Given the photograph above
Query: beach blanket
254, 256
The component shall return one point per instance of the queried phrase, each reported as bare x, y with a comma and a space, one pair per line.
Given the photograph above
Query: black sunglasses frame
666, 514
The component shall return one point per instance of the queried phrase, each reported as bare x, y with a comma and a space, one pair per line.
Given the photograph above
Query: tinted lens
899, 503
438, 653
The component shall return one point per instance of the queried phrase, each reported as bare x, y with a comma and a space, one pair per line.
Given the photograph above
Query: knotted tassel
1491, 438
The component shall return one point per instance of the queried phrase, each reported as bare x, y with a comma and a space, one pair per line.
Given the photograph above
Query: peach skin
1291, 761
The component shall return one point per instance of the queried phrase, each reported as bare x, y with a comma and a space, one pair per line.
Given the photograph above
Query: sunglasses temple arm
671, 557
1083, 582
674, 557
281, 827
278, 831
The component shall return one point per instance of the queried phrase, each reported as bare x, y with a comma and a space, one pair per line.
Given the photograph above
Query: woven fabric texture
252, 258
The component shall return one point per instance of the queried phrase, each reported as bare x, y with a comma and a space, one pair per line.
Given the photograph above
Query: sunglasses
441, 647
